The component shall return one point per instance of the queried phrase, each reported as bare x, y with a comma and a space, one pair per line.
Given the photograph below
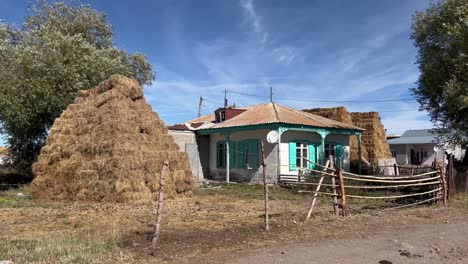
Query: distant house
228, 141
3, 155
421, 147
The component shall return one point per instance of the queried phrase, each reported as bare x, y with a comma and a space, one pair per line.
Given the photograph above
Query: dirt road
427, 243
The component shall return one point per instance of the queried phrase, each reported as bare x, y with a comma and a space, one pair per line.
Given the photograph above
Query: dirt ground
425, 243
216, 225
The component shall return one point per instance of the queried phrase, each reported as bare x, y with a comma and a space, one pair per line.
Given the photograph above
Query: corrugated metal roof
419, 136
271, 113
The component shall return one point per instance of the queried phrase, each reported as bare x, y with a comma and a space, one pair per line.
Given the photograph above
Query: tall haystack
341, 114
373, 138
109, 146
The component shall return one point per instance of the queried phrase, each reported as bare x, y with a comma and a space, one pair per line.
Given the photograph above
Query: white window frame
300, 162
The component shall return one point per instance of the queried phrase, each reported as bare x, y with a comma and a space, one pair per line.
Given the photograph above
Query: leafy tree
441, 36
59, 50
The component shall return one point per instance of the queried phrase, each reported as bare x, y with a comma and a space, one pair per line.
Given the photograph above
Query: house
3, 155
421, 147
229, 141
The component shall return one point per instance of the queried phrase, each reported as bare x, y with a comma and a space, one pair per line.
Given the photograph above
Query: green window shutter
292, 156
240, 155
218, 157
232, 154
338, 154
254, 153
312, 156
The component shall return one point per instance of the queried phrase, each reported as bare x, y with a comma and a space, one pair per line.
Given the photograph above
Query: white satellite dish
273, 136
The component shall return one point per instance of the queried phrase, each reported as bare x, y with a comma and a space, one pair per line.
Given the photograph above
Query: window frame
330, 147
221, 148
301, 146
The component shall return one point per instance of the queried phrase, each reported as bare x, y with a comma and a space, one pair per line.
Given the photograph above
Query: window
221, 154
330, 149
248, 154
302, 150
421, 155
220, 115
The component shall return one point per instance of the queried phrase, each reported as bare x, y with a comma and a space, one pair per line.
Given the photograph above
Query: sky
307, 51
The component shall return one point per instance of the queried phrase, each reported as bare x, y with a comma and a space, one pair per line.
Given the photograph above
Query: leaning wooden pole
335, 198
160, 204
265, 187
342, 190
314, 199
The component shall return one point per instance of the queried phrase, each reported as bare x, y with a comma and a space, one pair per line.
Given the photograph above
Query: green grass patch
251, 192
7, 201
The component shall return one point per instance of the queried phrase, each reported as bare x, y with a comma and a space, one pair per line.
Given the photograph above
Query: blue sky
306, 50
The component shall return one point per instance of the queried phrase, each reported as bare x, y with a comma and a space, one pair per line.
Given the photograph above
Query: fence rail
427, 186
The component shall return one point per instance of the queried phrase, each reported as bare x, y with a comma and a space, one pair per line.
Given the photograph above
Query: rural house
229, 141
420, 147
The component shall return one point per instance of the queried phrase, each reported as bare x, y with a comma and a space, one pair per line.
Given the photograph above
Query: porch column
227, 157
359, 154
323, 135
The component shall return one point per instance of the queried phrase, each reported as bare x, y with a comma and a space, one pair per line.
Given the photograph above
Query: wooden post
395, 169
359, 153
342, 190
265, 187
228, 165
335, 198
314, 199
444, 185
160, 204
450, 177
437, 194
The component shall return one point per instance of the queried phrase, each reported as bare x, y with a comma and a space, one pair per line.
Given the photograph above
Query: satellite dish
273, 136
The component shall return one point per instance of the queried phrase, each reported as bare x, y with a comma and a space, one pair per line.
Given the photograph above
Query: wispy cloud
254, 19
359, 65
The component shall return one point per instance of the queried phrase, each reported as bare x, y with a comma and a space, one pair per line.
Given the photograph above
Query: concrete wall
403, 153
186, 140
239, 174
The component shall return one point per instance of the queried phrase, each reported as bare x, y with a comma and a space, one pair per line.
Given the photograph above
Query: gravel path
430, 243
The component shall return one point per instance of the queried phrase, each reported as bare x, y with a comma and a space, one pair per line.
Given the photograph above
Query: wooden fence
426, 187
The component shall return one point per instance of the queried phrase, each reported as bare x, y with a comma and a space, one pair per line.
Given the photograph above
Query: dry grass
212, 225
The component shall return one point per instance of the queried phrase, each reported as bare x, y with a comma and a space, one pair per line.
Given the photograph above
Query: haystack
341, 114
373, 137
109, 146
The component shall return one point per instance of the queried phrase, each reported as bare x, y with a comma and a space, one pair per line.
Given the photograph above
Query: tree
441, 36
60, 49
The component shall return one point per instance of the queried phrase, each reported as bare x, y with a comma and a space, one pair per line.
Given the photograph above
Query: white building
420, 147
229, 141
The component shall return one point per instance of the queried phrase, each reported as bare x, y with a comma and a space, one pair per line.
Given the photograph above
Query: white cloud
254, 19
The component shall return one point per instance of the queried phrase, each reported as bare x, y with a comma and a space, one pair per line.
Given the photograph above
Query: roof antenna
225, 98
271, 94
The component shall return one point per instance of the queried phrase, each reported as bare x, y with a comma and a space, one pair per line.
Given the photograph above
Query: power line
325, 101
402, 110
209, 100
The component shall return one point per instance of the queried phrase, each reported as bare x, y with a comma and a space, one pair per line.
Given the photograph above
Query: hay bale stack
341, 114
109, 146
373, 138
